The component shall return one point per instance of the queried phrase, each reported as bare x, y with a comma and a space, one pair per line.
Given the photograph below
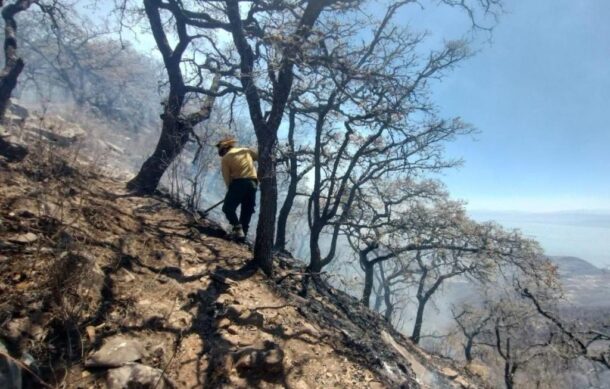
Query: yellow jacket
238, 163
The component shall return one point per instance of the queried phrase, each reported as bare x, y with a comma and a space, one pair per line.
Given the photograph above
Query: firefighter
239, 173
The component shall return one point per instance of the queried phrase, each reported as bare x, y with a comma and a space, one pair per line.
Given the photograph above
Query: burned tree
275, 42
273, 36
177, 126
519, 331
365, 92
13, 63
429, 241
394, 288
517, 328
508, 334
289, 49
375, 222
478, 252
365, 126
471, 323
578, 342
516, 342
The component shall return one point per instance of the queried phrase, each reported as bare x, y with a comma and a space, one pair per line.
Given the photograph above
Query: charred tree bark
419, 318
510, 366
266, 126
315, 263
175, 133
13, 64
470, 333
368, 284
173, 136
176, 129
171, 142
423, 296
508, 377
468, 349
389, 309
422, 299
387, 295
508, 369
368, 267
266, 222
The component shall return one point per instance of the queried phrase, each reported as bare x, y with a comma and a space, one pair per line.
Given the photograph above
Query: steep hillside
100, 288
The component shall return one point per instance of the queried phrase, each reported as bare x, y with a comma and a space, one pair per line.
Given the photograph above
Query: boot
238, 233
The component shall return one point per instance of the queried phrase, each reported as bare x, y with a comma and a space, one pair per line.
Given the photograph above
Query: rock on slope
103, 289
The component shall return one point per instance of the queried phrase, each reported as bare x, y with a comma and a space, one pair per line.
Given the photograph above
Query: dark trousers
241, 192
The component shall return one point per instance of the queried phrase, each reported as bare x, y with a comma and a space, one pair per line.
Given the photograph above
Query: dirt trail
83, 264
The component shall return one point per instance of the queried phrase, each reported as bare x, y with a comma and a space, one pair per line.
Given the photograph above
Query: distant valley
585, 285
586, 288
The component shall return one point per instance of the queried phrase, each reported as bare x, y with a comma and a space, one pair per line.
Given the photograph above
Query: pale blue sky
539, 96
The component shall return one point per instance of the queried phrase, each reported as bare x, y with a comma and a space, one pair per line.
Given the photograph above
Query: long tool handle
212, 207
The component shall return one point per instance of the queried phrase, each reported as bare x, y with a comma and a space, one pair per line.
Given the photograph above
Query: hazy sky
539, 95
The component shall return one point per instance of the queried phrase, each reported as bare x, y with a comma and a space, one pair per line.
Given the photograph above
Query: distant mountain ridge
573, 266
585, 285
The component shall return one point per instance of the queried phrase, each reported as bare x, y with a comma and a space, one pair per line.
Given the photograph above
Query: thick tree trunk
173, 134
13, 64
8, 82
170, 145
389, 307
171, 142
508, 377
419, 318
389, 312
368, 283
468, 349
315, 264
266, 129
266, 222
